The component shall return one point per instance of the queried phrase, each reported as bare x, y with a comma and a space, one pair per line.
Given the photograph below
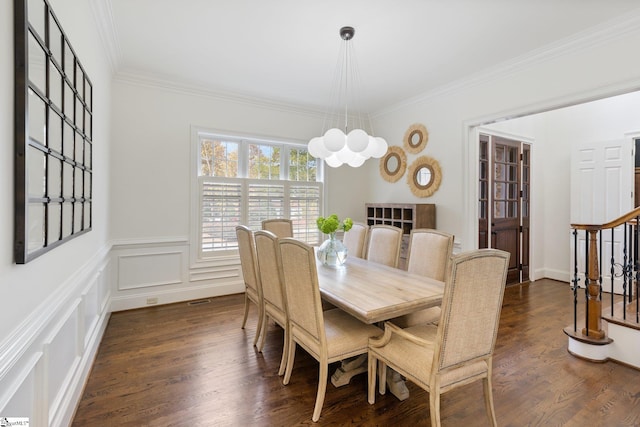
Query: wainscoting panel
45, 362
143, 270
62, 357
150, 272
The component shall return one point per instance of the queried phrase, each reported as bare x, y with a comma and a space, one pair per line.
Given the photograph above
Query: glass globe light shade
380, 148
357, 140
317, 149
345, 155
356, 161
334, 140
333, 161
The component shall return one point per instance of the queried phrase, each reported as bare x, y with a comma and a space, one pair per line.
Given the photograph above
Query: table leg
348, 369
397, 385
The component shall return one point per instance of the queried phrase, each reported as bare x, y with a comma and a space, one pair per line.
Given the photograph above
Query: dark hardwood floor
192, 365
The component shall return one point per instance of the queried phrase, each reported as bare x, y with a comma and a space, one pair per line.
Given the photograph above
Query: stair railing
623, 271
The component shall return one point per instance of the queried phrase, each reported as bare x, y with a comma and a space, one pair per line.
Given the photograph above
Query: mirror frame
436, 176
423, 134
392, 152
56, 205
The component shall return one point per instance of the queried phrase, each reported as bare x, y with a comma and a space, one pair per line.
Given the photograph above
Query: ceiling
285, 51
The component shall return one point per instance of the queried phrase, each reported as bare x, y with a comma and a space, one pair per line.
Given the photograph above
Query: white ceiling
286, 51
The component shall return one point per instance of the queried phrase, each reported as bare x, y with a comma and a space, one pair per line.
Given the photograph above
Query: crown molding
103, 16
153, 81
598, 35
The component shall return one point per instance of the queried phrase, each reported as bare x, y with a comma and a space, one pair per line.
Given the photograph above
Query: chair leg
371, 390
246, 310
488, 400
292, 354
259, 327
263, 331
382, 377
285, 352
434, 406
322, 389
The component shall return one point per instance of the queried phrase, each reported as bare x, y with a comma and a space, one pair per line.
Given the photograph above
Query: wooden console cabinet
403, 215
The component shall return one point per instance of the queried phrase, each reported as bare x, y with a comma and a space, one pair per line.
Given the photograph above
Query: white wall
54, 307
598, 65
150, 185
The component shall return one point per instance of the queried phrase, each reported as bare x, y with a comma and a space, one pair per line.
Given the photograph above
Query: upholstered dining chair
428, 255
327, 336
355, 239
270, 272
253, 287
383, 244
459, 350
281, 227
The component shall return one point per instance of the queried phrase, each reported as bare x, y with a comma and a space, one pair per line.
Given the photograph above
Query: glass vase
332, 252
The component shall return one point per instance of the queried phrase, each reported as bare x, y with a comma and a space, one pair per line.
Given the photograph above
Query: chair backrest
429, 253
281, 227
355, 239
302, 292
471, 307
269, 268
384, 244
247, 249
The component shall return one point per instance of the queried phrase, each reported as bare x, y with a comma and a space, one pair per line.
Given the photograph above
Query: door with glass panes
504, 195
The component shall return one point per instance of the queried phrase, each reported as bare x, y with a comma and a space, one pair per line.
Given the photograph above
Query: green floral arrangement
331, 224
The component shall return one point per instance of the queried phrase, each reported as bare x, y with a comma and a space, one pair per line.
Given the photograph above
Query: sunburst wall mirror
393, 164
416, 138
424, 176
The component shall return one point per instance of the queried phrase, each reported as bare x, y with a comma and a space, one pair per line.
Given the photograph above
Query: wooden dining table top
373, 292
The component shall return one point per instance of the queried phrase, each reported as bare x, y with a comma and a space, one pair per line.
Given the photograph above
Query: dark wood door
525, 213
505, 215
504, 194
483, 193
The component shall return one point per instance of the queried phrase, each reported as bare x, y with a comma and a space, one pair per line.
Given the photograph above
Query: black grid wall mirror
53, 134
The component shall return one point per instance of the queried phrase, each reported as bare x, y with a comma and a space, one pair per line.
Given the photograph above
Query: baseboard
548, 273
186, 293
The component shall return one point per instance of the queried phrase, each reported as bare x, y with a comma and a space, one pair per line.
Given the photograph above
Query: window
247, 180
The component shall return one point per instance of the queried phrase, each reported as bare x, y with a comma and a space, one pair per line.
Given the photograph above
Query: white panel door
601, 191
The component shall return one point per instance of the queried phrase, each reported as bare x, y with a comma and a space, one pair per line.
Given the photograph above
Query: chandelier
353, 145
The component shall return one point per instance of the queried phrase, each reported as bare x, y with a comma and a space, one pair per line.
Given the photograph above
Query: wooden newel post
594, 322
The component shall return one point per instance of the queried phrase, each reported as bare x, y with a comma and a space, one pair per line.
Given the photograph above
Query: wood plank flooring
192, 365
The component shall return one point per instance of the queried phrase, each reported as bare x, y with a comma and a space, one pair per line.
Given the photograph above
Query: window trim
224, 256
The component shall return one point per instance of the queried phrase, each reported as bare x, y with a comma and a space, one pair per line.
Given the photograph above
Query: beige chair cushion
355, 239
429, 254
281, 227
384, 245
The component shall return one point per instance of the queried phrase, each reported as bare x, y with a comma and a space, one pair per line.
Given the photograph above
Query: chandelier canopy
353, 145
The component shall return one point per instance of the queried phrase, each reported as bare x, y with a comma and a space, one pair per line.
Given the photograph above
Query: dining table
373, 293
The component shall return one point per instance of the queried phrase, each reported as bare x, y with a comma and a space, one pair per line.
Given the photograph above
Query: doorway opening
504, 200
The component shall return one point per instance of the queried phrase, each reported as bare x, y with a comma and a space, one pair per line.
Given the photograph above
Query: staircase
606, 273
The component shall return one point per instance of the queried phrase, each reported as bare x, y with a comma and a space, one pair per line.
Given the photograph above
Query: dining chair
270, 272
355, 239
327, 336
281, 227
253, 287
383, 245
459, 350
428, 255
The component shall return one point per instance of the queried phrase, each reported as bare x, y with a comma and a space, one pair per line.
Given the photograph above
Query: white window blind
304, 209
221, 212
265, 201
